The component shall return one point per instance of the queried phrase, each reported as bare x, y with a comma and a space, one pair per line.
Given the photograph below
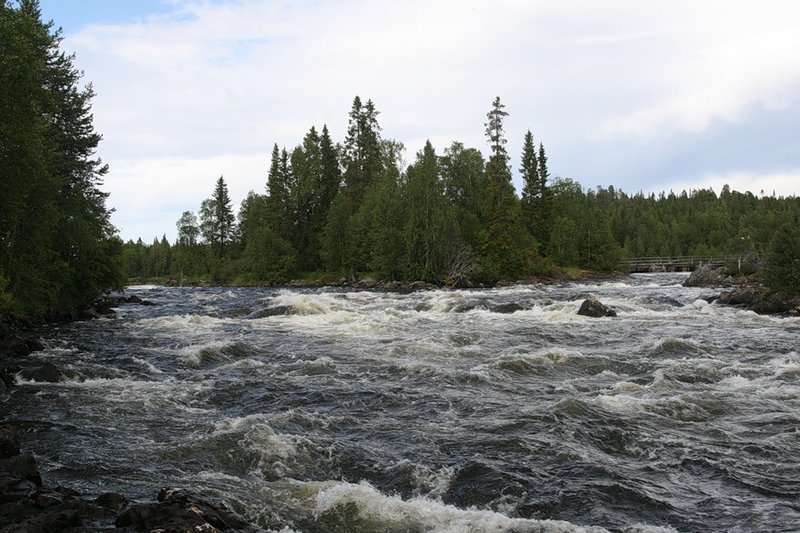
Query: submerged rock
48, 373
507, 308
595, 308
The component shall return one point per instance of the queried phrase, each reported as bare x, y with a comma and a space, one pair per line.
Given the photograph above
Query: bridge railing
670, 263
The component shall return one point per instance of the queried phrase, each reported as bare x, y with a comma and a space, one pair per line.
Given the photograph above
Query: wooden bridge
670, 264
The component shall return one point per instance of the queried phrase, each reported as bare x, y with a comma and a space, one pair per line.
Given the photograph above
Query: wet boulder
9, 442
44, 373
19, 345
278, 310
14, 487
179, 510
22, 465
595, 308
112, 501
708, 276
777, 303
747, 295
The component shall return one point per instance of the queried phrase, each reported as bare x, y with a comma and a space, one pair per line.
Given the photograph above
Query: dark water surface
326, 410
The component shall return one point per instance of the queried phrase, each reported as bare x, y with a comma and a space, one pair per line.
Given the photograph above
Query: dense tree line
354, 209
58, 249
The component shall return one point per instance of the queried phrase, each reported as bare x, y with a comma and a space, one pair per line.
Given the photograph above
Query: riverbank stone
708, 276
181, 510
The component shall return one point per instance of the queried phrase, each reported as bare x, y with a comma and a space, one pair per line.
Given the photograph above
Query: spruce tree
217, 221
281, 194
529, 171
330, 176
544, 197
536, 195
505, 246
362, 151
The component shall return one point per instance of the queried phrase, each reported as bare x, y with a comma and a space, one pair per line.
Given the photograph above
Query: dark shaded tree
58, 248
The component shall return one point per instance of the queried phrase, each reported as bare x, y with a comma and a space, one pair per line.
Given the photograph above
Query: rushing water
329, 410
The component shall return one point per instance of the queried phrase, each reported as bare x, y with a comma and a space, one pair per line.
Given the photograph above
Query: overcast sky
648, 96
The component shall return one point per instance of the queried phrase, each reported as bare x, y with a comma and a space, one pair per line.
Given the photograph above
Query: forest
329, 210
58, 248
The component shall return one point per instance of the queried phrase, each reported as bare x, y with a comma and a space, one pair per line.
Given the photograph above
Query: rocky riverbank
744, 291
28, 505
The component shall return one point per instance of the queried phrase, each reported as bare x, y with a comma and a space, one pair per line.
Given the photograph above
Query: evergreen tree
505, 246
330, 176
544, 201
427, 219
266, 256
362, 151
529, 171
58, 248
282, 194
782, 272
217, 221
465, 188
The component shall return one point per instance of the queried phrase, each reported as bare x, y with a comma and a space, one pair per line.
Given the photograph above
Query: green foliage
782, 272
362, 152
351, 209
505, 246
217, 222
58, 248
429, 228
6, 300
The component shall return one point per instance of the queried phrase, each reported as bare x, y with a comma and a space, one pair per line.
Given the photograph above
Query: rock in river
595, 308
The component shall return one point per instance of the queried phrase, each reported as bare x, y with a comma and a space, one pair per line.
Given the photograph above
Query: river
332, 410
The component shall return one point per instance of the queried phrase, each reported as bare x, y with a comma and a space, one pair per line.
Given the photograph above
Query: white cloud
152, 193
217, 83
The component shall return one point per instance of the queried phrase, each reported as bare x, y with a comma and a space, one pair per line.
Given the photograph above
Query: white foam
148, 365
174, 325
425, 514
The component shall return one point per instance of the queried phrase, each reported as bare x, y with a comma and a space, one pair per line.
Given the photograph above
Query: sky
645, 96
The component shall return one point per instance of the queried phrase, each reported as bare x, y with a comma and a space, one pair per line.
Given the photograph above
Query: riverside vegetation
332, 210
351, 210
